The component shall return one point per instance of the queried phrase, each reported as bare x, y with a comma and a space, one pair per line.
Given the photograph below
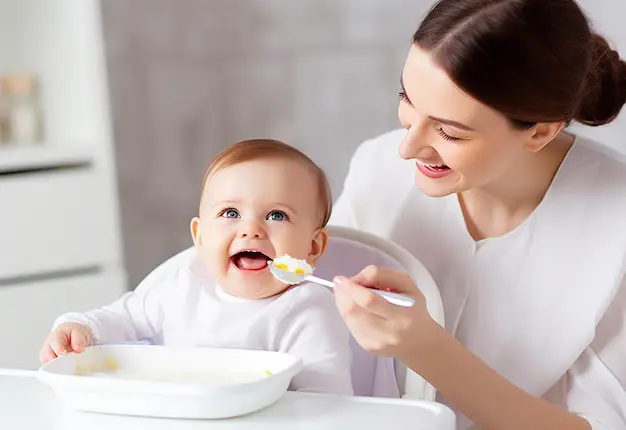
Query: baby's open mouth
250, 260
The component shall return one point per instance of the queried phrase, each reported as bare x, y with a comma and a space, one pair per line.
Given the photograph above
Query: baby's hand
66, 338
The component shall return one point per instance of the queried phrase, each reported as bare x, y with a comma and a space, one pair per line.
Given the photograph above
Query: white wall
188, 77
609, 19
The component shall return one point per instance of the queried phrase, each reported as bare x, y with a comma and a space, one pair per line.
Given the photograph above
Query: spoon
289, 277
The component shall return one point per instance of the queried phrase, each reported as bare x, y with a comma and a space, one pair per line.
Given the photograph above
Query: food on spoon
293, 265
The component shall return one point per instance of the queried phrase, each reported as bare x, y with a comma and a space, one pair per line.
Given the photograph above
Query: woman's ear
194, 226
318, 245
543, 133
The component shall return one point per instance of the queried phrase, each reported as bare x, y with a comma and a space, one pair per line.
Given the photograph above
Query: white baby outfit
178, 304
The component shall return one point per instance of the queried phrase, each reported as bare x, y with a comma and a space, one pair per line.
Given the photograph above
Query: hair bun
604, 94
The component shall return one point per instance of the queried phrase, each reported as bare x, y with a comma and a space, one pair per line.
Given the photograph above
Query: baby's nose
252, 230
250, 234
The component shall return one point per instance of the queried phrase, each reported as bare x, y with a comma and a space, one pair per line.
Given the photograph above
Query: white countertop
27, 404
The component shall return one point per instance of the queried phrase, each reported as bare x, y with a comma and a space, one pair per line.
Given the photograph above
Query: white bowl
159, 381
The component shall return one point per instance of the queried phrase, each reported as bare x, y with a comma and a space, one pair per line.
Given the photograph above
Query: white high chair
348, 252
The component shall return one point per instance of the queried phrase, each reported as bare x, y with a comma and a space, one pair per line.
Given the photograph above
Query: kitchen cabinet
60, 236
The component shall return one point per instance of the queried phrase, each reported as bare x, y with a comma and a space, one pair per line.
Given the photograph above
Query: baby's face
252, 212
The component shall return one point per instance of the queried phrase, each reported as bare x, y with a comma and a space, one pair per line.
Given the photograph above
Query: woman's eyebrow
452, 123
449, 122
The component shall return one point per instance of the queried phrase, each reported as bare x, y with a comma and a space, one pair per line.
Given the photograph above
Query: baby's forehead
278, 171
262, 182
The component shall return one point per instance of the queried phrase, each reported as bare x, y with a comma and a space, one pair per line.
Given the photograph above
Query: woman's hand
379, 326
410, 335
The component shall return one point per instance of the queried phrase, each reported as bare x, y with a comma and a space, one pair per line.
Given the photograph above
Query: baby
261, 199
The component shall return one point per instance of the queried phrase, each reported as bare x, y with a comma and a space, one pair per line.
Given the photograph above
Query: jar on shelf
25, 122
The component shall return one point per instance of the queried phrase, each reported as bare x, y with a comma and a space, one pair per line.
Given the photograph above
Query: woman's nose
415, 144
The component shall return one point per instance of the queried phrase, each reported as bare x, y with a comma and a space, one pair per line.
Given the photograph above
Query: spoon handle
394, 298
320, 281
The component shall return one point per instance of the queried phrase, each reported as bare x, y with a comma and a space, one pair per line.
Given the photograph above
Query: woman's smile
433, 171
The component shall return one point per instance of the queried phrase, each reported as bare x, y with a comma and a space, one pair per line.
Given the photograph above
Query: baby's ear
318, 245
194, 226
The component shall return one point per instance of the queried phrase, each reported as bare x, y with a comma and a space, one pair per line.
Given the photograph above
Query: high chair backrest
348, 252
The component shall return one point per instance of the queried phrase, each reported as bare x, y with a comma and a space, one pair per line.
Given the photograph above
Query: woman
522, 225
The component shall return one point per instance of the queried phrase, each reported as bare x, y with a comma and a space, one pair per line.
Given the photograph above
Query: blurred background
111, 110
189, 77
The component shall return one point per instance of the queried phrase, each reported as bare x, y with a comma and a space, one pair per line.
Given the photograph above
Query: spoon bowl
289, 277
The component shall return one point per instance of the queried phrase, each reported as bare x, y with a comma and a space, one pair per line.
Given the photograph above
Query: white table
27, 404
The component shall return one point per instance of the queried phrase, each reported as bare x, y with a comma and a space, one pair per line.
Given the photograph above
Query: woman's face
457, 142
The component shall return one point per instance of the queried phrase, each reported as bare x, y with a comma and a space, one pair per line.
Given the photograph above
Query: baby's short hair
258, 149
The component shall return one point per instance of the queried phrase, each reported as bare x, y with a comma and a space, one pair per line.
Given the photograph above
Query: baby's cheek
215, 260
297, 242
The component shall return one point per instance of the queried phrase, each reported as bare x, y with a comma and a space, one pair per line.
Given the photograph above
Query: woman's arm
482, 394
596, 383
410, 335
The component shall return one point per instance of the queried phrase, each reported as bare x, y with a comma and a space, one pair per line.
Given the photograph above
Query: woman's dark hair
532, 60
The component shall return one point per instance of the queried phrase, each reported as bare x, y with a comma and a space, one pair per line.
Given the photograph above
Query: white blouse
545, 304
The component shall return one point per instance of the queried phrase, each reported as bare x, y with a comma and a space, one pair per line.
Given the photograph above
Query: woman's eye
277, 216
230, 213
445, 135
404, 98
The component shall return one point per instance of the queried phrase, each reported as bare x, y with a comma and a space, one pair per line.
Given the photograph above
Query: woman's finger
386, 279
364, 298
369, 330
347, 307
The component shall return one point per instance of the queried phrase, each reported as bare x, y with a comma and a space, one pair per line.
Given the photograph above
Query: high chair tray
28, 404
159, 381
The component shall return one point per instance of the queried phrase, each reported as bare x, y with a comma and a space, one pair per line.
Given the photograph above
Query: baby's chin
256, 289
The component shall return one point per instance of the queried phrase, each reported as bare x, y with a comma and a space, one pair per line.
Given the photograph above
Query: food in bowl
109, 368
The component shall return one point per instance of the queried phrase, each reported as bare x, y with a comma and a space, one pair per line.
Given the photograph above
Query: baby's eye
230, 213
277, 216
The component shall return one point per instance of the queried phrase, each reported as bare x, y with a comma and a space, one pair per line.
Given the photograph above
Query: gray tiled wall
190, 76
